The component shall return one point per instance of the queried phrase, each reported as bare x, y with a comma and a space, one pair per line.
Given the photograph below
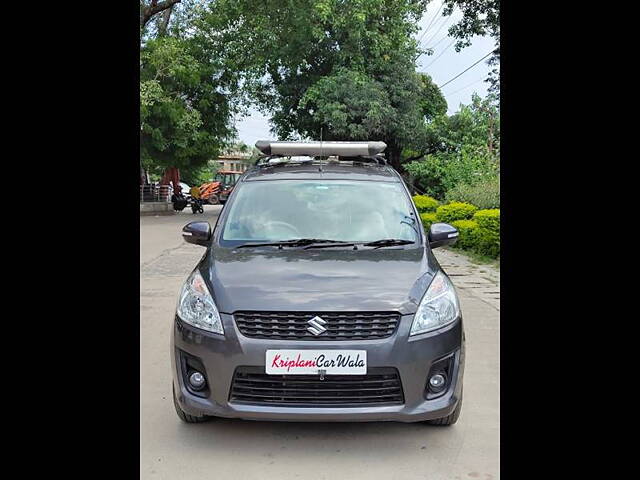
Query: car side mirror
198, 233
441, 234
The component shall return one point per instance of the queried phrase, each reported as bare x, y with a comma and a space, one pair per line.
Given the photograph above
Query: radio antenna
320, 169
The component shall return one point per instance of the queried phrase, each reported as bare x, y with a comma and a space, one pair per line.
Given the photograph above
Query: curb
156, 208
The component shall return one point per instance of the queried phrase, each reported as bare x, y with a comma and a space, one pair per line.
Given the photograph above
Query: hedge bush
425, 203
488, 219
455, 211
466, 229
483, 194
486, 239
428, 219
486, 242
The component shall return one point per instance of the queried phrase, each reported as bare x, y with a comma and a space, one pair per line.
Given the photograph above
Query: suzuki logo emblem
316, 326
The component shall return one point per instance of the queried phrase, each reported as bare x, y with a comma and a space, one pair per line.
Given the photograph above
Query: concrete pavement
226, 449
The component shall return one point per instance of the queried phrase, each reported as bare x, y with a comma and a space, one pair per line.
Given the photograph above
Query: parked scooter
196, 200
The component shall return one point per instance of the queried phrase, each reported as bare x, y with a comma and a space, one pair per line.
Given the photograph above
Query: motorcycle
179, 202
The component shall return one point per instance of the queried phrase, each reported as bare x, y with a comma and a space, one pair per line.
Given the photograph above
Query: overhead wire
466, 69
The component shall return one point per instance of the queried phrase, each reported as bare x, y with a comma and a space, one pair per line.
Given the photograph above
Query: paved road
229, 449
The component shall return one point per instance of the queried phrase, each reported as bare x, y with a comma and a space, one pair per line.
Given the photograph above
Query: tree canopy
463, 148
187, 95
343, 67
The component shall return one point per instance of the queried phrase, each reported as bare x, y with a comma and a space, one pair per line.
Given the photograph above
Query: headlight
196, 306
438, 307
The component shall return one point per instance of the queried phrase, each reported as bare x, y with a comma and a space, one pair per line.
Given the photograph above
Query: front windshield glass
348, 211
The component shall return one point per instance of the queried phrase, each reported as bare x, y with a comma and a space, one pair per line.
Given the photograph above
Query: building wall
236, 165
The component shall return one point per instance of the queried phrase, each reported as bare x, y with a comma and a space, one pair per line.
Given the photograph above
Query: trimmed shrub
455, 211
489, 219
428, 219
486, 238
483, 194
466, 229
486, 242
425, 203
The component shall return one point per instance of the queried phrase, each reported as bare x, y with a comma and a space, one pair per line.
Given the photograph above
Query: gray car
318, 298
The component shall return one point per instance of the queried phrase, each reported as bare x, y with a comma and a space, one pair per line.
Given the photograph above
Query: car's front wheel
449, 419
184, 416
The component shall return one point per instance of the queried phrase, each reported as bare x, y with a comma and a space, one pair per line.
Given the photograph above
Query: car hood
385, 279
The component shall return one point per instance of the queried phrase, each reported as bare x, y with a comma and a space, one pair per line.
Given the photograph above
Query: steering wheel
287, 226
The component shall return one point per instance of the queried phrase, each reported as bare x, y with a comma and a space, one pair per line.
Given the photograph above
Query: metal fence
155, 193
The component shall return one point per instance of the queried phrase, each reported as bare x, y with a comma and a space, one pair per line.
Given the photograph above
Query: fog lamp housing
440, 376
194, 375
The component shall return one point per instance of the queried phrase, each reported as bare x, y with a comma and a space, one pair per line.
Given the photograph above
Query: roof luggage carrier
355, 152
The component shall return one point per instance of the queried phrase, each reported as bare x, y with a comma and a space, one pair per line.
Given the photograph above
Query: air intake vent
381, 386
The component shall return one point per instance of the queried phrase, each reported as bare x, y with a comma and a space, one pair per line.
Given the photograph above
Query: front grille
381, 386
339, 326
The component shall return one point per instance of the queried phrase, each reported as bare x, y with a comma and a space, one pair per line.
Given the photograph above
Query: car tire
184, 416
214, 200
449, 419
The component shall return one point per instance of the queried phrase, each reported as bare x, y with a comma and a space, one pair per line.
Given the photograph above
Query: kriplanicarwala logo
293, 362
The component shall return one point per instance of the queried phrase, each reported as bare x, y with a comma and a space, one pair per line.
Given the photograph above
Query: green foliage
425, 203
480, 235
479, 17
199, 175
455, 211
347, 68
486, 242
483, 194
186, 102
428, 219
466, 229
351, 104
489, 219
439, 173
461, 149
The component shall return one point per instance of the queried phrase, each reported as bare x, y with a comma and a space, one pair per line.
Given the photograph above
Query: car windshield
346, 211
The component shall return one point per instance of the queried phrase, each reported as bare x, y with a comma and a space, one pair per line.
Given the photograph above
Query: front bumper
412, 356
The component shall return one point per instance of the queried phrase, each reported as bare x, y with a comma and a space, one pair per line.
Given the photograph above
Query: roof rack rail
265, 160
343, 149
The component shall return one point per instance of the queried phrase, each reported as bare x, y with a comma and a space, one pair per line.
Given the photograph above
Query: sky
443, 65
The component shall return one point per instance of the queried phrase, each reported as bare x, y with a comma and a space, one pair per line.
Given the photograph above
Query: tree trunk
162, 30
491, 120
154, 7
172, 176
393, 156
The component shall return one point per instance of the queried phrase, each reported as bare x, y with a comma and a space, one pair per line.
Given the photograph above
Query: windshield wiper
296, 242
388, 242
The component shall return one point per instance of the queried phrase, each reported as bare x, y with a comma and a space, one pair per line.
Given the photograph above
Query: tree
185, 104
153, 7
345, 67
461, 148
